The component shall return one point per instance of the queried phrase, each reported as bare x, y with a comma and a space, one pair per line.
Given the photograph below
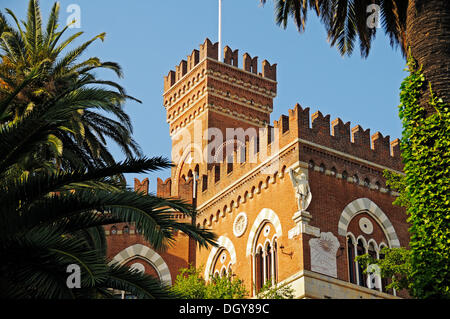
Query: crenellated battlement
338, 136
209, 50
314, 134
202, 93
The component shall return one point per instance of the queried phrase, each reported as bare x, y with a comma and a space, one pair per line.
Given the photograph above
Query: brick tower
204, 99
291, 203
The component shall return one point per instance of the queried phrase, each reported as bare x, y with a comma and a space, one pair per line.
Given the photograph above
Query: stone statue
302, 190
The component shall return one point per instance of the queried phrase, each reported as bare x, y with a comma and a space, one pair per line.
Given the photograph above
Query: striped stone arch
365, 205
266, 214
150, 256
223, 243
186, 157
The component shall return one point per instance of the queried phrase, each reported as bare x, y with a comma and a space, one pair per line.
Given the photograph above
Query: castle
291, 203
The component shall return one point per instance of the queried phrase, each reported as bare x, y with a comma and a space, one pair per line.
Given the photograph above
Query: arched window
216, 173
223, 272
311, 164
322, 168
356, 179
333, 171
372, 251
259, 269
113, 230
360, 250
126, 230
268, 263
366, 182
275, 260
351, 260
344, 175
384, 280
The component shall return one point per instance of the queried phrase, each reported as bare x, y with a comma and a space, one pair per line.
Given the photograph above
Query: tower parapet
209, 50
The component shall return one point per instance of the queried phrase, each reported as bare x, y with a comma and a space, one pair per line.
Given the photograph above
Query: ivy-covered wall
425, 149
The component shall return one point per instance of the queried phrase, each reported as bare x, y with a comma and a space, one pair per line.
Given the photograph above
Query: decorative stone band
362, 205
242, 85
222, 243
266, 214
148, 254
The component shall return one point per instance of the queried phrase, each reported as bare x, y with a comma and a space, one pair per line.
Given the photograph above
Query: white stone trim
148, 254
223, 243
266, 214
365, 205
355, 158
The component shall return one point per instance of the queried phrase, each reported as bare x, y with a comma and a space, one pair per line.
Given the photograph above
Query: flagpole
220, 31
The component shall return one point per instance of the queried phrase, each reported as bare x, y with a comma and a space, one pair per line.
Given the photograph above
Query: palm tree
25, 49
419, 27
49, 221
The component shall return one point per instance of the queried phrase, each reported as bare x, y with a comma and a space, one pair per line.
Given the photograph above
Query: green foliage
37, 67
269, 291
57, 188
190, 284
226, 287
346, 22
397, 182
396, 266
426, 154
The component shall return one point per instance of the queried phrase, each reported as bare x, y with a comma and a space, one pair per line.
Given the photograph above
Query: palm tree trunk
428, 36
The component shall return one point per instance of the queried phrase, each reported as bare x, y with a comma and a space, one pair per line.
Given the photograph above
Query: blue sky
148, 38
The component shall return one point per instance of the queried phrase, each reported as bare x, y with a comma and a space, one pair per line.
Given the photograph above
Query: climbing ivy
425, 147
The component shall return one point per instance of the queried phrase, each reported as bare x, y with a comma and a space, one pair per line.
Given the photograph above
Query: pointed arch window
266, 264
351, 260
259, 269
360, 250
275, 260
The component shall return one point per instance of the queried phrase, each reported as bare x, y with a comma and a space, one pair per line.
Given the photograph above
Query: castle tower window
351, 260
311, 164
204, 182
216, 173
366, 182
229, 164
197, 171
113, 230
356, 179
126, 230
243, 158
